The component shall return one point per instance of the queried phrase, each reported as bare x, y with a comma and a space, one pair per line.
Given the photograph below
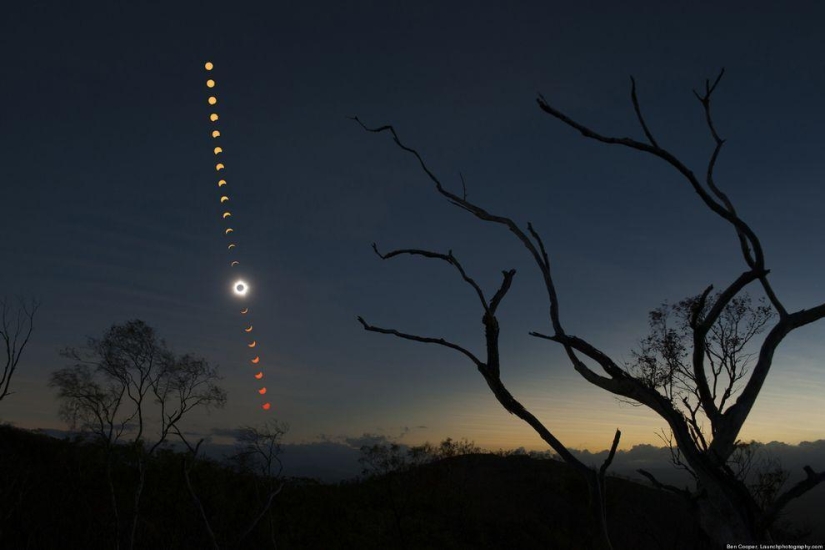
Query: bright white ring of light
240, 288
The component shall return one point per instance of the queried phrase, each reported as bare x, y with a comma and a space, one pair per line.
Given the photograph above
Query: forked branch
490, 370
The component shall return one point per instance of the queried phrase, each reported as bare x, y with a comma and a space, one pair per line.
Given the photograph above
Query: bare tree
16, 327
490, 368
727, 509
257, 452
128, 387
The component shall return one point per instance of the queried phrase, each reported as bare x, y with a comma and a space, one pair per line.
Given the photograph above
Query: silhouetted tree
128, 387
257, 452
727, 509
16, 326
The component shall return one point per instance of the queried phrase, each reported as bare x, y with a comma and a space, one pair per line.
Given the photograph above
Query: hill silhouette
53, 494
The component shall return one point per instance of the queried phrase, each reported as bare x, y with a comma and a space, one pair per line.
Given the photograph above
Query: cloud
367, 440
225, 432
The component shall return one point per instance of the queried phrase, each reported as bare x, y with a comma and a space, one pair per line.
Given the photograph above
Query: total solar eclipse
240, 288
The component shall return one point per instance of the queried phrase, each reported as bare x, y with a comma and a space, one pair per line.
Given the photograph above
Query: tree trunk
138, 493
726, 516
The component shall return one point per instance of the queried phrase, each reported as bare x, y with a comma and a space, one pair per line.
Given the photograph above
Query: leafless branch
638, 111
449, 258
609, 460
16, 327
663, 486
811, 480
423, 339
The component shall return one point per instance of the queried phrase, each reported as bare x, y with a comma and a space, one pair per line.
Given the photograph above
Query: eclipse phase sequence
239, 287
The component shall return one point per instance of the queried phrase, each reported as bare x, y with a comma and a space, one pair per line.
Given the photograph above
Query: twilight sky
110, 209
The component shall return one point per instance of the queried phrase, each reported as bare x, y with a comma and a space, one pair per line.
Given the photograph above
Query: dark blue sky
110, 210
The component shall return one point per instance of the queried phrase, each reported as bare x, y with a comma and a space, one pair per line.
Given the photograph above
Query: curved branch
424, 339
502, 290
811, 480
539, 255
733, 419
720, 209
638, 110
665, 487
609, 460
449, 258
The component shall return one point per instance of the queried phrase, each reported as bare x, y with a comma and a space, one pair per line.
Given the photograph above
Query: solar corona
240, 288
